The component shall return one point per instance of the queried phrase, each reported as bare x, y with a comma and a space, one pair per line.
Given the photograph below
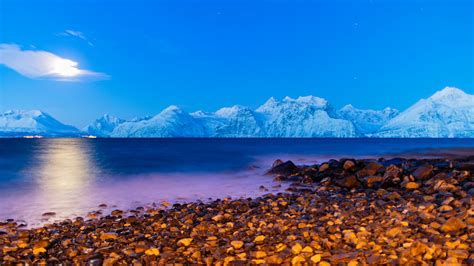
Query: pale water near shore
73, 176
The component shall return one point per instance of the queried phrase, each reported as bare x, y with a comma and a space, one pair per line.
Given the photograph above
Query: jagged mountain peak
311, 102
348, 107
307, 100
172, 108
270, 103
310, 99
232, 111
110, 118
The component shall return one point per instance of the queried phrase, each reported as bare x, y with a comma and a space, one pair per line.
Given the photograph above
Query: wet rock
394, 161
41, 244
237, 244
280, 178
453, 225
347, 182
467, 166
392, 196
348, 164
316, 258
373, 181
259, 239
392, 172
296, 249
108, 236
412, 185
37, 251
369, 170
152, 252
324, 167
117, 213
306, 180
394, 232
286, 168
185, 242
423, 172
276, 163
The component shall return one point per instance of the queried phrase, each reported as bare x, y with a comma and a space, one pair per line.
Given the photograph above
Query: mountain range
449, 113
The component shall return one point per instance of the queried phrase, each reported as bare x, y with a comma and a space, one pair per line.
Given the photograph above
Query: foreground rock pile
354, 212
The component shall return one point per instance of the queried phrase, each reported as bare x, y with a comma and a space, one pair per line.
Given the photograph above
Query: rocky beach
341, 212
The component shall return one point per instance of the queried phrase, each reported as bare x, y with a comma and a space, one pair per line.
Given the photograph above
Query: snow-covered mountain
171, 122
17, 123
103, 126
367, 121
239, 121
303, 117
446, 114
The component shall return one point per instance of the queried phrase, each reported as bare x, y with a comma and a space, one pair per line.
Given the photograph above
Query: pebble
185, 242
237, 244
412, 185
453, 225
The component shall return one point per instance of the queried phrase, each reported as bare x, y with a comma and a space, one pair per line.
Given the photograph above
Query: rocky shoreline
347, 211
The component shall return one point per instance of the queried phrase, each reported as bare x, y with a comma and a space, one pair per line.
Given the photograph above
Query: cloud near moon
38, 64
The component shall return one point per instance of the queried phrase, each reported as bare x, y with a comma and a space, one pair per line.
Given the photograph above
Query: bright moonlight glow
43, 64
65, 68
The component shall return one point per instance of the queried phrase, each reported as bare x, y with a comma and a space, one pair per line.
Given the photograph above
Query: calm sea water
73, 176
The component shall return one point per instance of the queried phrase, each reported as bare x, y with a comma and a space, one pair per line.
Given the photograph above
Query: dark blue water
73, 176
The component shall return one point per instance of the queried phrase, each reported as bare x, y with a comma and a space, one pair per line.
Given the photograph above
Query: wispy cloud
76, 34
38, 64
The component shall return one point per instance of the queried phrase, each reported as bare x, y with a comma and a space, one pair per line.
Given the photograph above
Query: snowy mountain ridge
367, 121
447, 113
15, 123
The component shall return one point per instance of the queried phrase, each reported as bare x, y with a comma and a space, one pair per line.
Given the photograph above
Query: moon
64, 68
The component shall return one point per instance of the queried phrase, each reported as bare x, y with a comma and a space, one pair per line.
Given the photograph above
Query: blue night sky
135, 58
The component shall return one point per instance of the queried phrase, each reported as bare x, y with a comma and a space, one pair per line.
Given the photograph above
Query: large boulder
370, 169
423, 172
283, 168
348, 182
